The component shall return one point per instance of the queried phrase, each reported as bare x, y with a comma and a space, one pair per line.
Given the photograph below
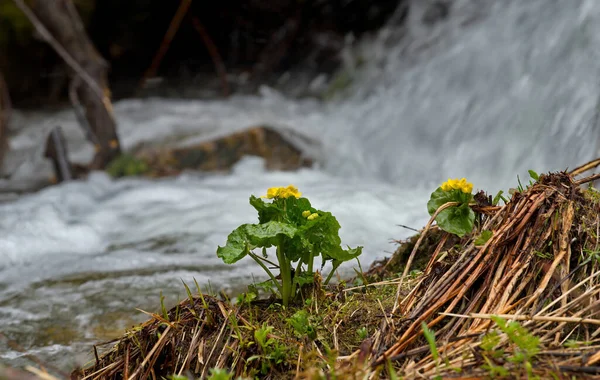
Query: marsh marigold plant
299, 233
457, 219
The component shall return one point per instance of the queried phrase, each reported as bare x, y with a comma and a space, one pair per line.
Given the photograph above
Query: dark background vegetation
262, 38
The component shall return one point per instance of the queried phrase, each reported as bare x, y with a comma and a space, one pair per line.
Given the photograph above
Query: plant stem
285, 269
296, 273
311, 258
286, 275
335, 267
266, 260
268, 272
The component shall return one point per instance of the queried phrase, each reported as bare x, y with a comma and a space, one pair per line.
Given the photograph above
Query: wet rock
278, 151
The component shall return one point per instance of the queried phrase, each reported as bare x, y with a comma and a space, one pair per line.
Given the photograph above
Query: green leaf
268, 286
249, 236
457, 220
430, 336
322, 233
267, 234
301, 325
534, 175
490, 340
260, 336
440, 197
237, 246
304, 278
483, 238
342, 255
219, 374
294, 208
498, 197
267, 211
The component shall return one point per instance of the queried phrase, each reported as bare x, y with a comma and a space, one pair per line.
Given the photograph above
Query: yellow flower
290, 191
447, 186
272, 192
306, 213
465, 186
313, 216
282, 192
458, 184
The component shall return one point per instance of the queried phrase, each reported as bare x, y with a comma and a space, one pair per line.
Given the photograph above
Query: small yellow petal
306, 213
292, 190
272, 192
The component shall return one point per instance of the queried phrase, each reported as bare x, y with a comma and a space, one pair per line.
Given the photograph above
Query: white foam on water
82, 219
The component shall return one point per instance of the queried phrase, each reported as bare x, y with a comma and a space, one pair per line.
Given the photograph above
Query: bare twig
518, 317
214, 55
184, 5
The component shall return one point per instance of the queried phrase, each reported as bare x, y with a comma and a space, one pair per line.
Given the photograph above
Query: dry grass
541, 268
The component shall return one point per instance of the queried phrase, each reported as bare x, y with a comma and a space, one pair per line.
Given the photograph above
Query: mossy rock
221, 154
127, 165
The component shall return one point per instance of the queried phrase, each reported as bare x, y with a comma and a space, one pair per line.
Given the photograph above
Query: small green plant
363, 333
261, 336
543, 255
498, 198
301, 324
298, 231
527, 345
430, 336
490, 353
273, 352
414, 273
391, 371
571, 343
483, 238
178, 377
533, 178
219, 374
459, 218
591, 255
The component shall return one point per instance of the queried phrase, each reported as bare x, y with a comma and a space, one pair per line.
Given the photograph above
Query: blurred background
133, 133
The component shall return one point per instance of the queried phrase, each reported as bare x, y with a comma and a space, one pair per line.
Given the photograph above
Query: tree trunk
65, 26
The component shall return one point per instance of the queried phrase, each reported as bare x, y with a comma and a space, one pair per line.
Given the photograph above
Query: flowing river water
495, 89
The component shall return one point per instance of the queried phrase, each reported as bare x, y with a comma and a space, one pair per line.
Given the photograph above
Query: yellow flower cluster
310, 216
458, 184
282, 192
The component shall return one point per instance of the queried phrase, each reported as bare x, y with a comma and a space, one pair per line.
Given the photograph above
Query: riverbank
521, 299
